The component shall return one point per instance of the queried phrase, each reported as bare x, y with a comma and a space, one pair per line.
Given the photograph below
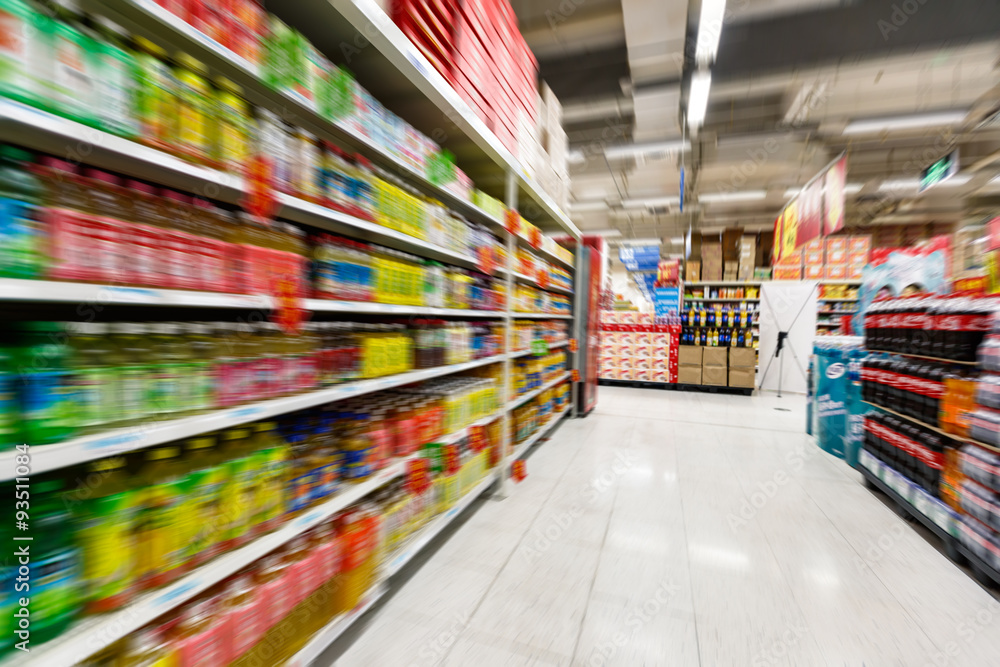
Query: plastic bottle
231, 145
74, 81
237, 461
201, 381
106, 534
161, 525
93, 376
21, 240
116, 83
56, 577
271, 455
156, 99
199, 640
148, 648
134, 370
47, 395
195, 122
203, 486
21, 53
245, 610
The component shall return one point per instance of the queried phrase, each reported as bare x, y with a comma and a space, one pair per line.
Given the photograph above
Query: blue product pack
831, 400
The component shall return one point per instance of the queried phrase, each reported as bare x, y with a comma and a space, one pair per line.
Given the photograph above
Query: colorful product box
815, 245
813, 258
788, 273
814, 272
836, 272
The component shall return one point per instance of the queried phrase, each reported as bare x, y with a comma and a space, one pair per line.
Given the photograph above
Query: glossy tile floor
676, 529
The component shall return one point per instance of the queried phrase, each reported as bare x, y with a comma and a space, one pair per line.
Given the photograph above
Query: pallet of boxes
717, 367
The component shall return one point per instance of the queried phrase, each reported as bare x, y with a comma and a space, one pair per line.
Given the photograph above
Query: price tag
574, 375
450, 455
512, 222
539, 347
477, 438
518, 471
288, 312
572, 345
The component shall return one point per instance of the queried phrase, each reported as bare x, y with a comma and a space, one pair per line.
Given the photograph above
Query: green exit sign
940, 171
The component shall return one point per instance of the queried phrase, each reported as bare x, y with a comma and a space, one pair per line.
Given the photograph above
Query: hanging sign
816, 211
640, 257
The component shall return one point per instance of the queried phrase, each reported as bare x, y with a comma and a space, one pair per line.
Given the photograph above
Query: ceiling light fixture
850, 189
913, 122
677, 240
645, 241
721, 197
642, 150
713, 13
601, 232
701, 83
652, 202
581, 206
957, 180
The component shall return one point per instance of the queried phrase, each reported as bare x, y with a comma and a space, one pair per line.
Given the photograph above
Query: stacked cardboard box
711, 261
790, 267
715, 366
635, 349
730, 271
858, 251
689, 359
812, 256
742, 367
692, 272
748, 258
545, 153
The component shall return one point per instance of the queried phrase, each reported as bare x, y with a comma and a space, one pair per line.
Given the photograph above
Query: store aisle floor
681, 529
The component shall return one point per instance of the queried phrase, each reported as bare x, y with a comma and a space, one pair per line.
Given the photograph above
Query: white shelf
828, 324
95, 633
523, 398
525, 353
46, 291
368, 308
309, 653
523, 448
839, 282
539, 316
92, 447
426, 535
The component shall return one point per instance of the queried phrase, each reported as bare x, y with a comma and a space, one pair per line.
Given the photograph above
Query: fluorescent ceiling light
718, 197
713, 13
646, 241
639, 150
853, 188
701, 82
957, 180
600, 232
677, 240
874, 125
576, 157
651, 202
580, 206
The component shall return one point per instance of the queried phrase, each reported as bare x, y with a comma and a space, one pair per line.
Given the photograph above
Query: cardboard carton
692, 272
814, 272
716, 356
788, 273
742, 357
715, 375
689, 375
690, 355
742, 377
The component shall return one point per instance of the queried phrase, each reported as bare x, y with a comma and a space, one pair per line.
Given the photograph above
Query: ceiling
788, 79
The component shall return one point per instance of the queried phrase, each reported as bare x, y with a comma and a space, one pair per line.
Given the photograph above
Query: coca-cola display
945, 327
912, 387
912, 450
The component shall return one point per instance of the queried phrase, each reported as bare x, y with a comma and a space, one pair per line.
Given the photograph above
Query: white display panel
790, 307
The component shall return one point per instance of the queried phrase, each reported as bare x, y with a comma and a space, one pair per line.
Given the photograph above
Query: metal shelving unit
391, 63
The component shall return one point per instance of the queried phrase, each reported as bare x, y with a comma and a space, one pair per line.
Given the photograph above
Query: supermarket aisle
684, 529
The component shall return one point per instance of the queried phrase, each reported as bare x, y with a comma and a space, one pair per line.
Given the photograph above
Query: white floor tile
672, 528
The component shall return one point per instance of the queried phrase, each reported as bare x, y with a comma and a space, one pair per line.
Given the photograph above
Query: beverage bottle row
945, 327
63, 379
712, 337
719, 316
914, 451
910, 386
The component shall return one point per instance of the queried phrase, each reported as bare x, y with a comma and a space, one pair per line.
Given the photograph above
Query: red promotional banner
817, 211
